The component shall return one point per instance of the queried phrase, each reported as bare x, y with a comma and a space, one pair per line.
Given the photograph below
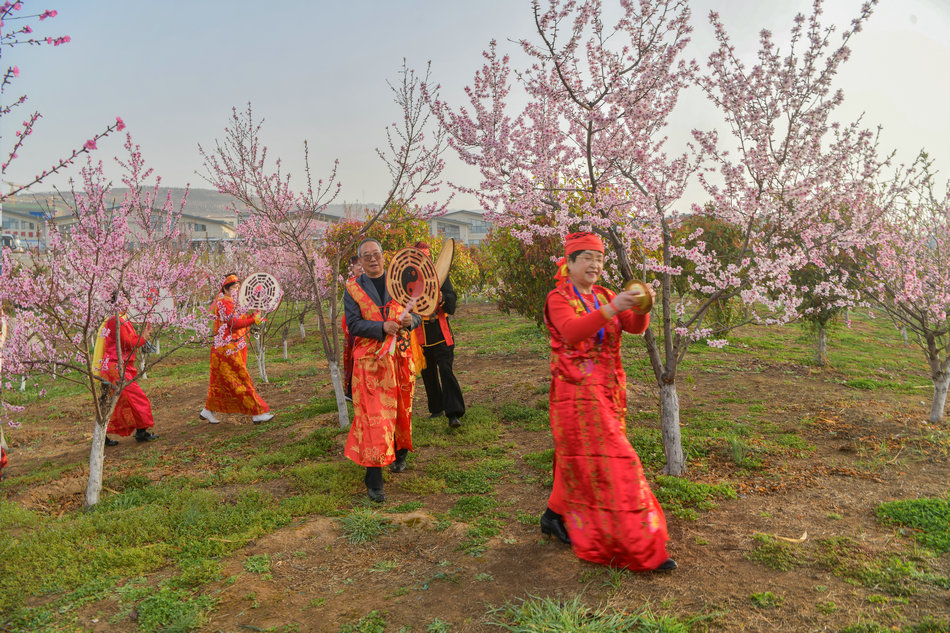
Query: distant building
29, 223
467, 227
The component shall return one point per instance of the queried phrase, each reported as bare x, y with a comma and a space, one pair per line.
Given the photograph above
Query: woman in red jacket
601, 503
230, 388
133, 411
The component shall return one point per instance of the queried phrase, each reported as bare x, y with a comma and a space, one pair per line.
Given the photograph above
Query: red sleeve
130, 340
573, 327
634, 323
239, 323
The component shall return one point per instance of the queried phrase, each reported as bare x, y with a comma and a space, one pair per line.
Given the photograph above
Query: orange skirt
230, 388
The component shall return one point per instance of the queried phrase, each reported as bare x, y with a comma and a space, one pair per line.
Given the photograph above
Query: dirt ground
319, 580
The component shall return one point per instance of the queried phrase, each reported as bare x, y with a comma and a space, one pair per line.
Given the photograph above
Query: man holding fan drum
383, 372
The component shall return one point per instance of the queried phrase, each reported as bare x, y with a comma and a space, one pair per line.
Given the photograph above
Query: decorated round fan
260, 291
412, 275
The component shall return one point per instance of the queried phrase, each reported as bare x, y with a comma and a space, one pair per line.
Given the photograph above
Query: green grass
470, 507
528, 417
364, 525
684, 498
776, 554
897, 575
553, 616
372, 622
766, 599
929, 518
129, 534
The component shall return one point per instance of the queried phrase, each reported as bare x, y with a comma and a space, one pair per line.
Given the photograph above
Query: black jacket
356, 324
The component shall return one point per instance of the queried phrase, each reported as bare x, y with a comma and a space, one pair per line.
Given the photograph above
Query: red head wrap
230, 279
582, 242
422, 246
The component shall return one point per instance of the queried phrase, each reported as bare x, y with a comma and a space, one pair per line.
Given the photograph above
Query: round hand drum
444, 261
645, 303
411, 275
260, 291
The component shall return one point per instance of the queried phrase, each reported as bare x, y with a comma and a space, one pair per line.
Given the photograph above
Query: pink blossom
90, 144
16, 71
119, 124
51, 13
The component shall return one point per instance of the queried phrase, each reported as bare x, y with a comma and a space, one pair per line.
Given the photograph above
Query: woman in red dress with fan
230, 388
601, 503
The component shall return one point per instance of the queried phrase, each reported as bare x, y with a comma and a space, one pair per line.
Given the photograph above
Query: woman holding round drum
601, 503
230, 388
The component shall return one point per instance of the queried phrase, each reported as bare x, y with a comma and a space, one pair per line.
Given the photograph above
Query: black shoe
141, 435
556, 528
111, 442
667, 565
376, 494
399, 465
437, 414
455, 422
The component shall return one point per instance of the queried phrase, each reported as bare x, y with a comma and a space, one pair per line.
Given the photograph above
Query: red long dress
230, 388
609, 511
382, 390
133, 409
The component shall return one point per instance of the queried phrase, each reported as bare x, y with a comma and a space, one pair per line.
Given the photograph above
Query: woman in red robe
601, 503
230, 388
133, 411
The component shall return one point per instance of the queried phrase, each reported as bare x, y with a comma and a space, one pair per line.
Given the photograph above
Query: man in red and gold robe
133, 411
601, 502
230, 388
383, 372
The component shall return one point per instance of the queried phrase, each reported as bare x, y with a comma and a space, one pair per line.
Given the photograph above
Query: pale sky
317, 70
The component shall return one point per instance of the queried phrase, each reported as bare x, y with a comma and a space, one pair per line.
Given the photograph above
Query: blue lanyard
600, 332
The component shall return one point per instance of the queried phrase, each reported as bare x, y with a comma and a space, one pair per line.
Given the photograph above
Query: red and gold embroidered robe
230, 388
133, 409
382, 390
600, 490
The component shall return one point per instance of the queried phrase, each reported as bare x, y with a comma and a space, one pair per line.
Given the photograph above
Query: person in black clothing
443, 392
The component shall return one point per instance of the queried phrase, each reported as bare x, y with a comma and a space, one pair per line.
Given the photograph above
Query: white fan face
260, 291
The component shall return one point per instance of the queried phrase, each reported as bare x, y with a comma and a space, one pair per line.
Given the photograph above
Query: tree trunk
904, 336
96, 461
23, 382
670, 421
941, 382
261, 361
821, 350
303, 332
286, 334
336, 378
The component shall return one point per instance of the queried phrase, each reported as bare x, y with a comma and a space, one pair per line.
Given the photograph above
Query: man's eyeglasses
374, 255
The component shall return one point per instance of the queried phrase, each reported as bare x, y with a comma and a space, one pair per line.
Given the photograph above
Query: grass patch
684, 498
854, 563
409, 506
542, 461
317, 444
929, 517
776, 554
553, 616
467, 508
766, 600
126, 535
372, 622
475, 478
484, 528
364, 525
529, 418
